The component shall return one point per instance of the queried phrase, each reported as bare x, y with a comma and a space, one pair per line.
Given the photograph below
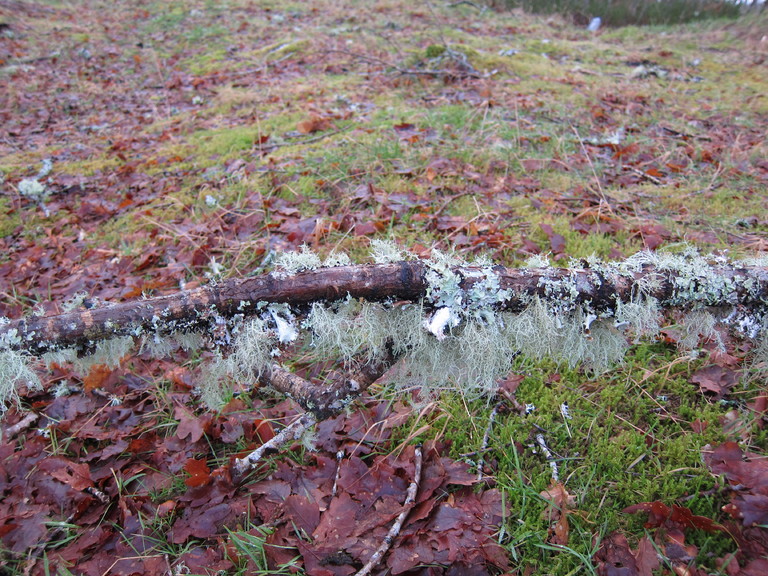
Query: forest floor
151, 146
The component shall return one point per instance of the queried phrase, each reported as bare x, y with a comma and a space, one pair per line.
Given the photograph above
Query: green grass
629, 441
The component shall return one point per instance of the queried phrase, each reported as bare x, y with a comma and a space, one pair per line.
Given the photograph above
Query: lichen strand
352, 329
289, 263
14, 372
109, 352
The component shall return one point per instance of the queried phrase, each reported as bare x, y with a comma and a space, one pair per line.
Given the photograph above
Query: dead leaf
714, 379
78, 476
199, 473
314, 124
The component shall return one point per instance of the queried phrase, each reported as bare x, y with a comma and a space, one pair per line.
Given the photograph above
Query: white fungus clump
285, 322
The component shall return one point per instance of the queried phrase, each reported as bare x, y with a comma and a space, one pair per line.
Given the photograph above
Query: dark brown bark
203, 309
325, 401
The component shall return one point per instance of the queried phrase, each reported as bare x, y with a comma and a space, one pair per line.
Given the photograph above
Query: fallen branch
679, 283
467, 70
324, 401
449, 321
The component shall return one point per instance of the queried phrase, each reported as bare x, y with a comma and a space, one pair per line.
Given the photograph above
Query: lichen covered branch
448, 320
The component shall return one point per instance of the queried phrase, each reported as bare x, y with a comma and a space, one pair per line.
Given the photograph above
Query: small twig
25, 422
412, 71
291, 432
548, 454
486, 439
645, 175
410, 499
468, 3
339, 456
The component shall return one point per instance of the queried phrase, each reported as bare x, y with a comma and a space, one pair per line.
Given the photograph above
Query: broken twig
486, 438
410, 499
293, 431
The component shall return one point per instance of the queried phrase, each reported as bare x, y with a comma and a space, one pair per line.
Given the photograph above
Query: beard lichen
14, 373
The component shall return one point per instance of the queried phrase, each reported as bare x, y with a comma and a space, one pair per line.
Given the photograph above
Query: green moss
622, 446
10, 219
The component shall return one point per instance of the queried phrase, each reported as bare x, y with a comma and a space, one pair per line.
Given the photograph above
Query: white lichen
336, 259
386, 252
14, 373
109, 352
33, 189
537, 261
289, 263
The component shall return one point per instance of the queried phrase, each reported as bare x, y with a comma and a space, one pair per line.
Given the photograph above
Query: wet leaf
199, 473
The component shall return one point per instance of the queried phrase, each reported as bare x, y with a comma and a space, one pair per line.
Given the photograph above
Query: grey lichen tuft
337, 259
351, 328
109, 352
698, 326
253, 348
641, 317
289, 263
386, 252
14, 372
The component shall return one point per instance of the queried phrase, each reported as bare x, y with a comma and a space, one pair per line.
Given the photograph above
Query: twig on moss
468, 3
293, 431
394, 531
468, 72
486, 439
548, 455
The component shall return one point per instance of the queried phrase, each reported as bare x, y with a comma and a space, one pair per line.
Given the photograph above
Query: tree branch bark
205, 308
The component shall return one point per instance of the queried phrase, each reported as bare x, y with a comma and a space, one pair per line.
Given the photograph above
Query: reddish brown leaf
97, 377
717, 380
314, 124
674, 517
614, 558
78, 476
699, 426
190, 426
199, 473
264, 430
556, 241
